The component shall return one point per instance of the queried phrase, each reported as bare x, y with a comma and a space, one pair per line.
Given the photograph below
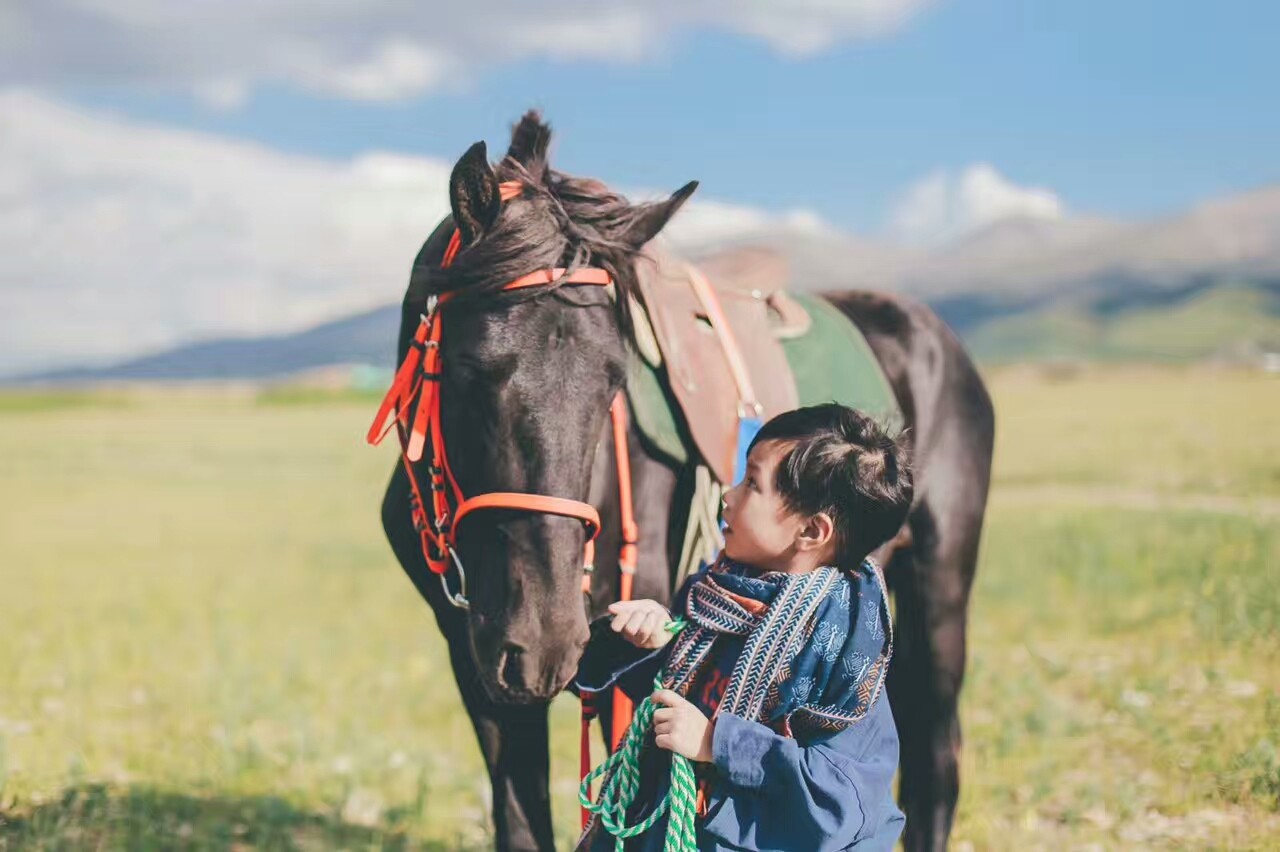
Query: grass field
208, 645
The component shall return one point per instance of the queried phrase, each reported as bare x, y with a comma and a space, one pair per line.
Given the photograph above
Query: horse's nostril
512, 666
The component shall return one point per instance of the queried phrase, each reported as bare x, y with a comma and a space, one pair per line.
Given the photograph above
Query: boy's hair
841, 463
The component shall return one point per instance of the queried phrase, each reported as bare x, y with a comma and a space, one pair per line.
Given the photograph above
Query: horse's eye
616, 372
492, 370
464, 368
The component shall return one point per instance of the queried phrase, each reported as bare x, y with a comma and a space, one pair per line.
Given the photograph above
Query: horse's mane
572, 222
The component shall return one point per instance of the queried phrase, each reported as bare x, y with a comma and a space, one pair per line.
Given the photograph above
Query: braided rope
621, 774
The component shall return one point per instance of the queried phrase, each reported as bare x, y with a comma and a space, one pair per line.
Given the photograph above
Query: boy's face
759, 530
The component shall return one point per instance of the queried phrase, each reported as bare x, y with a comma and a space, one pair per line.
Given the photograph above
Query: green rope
622, 774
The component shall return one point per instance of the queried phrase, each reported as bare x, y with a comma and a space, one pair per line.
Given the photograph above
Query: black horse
527, 381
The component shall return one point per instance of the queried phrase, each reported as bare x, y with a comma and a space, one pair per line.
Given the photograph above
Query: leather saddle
749, 286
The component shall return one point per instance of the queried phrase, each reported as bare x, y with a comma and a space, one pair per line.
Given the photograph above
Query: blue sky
1126, 109
259, 166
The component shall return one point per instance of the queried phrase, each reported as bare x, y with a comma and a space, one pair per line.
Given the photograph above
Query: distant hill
1204, 319
1203, 284
367, 338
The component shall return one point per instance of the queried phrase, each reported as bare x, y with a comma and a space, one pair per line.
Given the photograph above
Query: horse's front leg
513, 737
513, 740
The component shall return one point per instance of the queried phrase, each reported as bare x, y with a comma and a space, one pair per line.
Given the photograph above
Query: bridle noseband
412, 406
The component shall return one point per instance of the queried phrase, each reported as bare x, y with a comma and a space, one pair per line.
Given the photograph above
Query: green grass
16, 402
1169, 431
1121, 664
208, 644
282, 395
96, 816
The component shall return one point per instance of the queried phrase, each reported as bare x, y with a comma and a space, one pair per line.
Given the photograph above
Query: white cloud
222, 94
943, 206
802, 27
118, 237
384, 49
706, 223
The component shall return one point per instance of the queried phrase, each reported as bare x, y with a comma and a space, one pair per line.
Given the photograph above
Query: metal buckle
458, 599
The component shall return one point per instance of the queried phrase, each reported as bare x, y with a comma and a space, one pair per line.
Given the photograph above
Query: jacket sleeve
610, 660
777, 793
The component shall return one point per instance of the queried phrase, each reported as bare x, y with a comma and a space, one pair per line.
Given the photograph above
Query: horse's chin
500, 693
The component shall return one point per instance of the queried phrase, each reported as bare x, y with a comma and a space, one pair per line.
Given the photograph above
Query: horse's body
929, 567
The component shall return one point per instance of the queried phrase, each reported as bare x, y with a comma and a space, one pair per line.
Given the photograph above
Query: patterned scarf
814, 658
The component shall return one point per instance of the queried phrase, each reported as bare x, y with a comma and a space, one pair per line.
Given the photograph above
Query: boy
785, 647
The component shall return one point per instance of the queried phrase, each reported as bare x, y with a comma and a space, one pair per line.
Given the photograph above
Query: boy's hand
642, 623
681, 727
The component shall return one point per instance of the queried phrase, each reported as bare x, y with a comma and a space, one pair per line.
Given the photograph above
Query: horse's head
528, 377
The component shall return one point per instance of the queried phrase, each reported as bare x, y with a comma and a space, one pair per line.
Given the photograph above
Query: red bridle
415, 392
412, 406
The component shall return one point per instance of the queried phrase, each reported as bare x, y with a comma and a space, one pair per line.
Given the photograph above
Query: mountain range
1201, 284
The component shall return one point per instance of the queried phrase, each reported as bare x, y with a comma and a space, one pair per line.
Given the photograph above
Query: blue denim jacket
767, 791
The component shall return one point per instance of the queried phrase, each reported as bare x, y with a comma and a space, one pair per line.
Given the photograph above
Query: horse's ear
474, 194
530, 139
649, 219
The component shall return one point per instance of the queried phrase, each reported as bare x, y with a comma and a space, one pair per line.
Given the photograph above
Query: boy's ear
817, 532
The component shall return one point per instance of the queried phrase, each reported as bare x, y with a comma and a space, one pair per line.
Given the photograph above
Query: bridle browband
412, 406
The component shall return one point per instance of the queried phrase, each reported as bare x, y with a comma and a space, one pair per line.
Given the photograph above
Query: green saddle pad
831, 362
